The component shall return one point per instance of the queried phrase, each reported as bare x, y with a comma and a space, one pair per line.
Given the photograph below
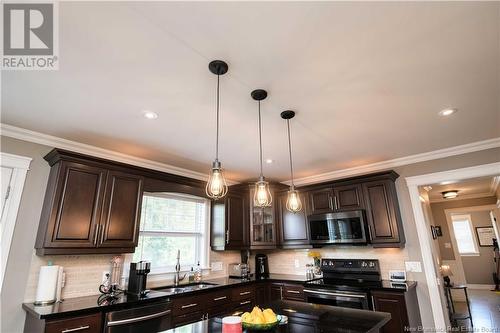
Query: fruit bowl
260, 327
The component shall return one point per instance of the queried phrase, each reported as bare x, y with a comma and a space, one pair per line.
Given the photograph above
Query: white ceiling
366, 80
470, 188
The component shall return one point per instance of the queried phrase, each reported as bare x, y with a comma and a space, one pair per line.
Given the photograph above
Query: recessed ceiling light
447, 112
149, 114
449, 194
269, 161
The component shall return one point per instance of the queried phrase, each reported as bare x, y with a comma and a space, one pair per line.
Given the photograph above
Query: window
462, 227
171, 222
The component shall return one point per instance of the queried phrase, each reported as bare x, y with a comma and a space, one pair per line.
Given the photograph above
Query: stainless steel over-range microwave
338, 228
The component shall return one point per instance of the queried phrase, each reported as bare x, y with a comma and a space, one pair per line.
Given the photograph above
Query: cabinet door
394, 303
262, 294
276, 292
236, 225
321, 201
347, 197
380, 197
121, 210
262, 225
293, 226
76, 206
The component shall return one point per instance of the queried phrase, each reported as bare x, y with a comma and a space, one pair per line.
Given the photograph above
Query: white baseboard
480, 286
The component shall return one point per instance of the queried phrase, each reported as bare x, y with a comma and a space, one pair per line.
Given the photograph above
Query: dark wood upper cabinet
294, 230
72, 208
263, 223
382, 212
121, 210
348, 197
91, 206
229, 222
321, 201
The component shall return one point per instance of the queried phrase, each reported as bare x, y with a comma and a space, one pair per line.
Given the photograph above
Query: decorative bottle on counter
191, 276
197, 273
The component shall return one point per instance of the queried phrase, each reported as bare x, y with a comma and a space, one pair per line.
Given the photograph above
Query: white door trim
20, 166
413, 183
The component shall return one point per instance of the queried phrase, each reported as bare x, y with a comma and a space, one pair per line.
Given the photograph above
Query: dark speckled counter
305, 317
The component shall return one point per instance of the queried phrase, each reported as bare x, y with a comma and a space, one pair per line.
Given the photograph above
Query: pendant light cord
260, 142
217, 131
290, 151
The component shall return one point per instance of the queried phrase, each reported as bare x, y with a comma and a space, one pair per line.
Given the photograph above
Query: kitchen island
306, 317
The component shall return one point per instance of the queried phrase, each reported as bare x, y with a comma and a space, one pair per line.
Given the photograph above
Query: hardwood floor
485, 308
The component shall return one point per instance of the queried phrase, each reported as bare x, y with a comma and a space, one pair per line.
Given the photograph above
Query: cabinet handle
336, 202
96, 232
102, 235
281, 293
220, 298
293, 291
81, 328
330, 202
245, 302
227, 235
245, 293
189, 305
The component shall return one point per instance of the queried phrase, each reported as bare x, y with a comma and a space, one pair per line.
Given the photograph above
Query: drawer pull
81, 328
293, 291
136, 319
245, 293
220, 298
245, 302
189, 305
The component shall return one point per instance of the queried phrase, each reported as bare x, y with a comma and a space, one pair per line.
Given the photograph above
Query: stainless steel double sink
186, 288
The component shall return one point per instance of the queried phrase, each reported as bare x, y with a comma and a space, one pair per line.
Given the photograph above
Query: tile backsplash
84, 272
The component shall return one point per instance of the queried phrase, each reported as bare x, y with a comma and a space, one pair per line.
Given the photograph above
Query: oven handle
333, 294
137, 319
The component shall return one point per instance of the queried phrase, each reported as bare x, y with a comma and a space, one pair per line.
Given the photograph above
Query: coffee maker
137, 278
261, 266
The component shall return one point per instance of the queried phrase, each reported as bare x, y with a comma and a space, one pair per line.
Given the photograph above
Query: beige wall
438, 213
19, 264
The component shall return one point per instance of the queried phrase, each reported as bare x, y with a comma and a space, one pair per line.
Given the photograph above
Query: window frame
202, 238
468, 218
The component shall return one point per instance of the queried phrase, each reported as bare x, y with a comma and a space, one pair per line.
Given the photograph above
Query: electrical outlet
413, 266
447, 245
216, 266
104, 276
297, 264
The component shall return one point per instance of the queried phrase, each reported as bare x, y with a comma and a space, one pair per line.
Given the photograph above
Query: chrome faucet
177, 276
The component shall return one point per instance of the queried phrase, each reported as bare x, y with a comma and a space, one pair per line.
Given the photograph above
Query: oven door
151, 318
341, 228
345, 299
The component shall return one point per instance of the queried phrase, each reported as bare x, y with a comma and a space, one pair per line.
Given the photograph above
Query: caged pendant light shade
262, 195
216, 186
293, 202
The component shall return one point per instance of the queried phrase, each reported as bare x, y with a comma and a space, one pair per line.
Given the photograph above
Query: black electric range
345, 282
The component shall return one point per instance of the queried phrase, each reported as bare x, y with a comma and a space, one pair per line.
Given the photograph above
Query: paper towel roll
47, 285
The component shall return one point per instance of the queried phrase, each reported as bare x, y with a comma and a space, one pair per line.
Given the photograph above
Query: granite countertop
304, 317
98, 303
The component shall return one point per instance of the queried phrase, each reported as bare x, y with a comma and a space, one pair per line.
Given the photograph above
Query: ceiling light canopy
293, 202
447, 112
216, 186
450, 194
262, 194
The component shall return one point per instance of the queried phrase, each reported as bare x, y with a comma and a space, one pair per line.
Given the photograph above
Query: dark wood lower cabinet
275, 292
293, 292
403, 307
84, 324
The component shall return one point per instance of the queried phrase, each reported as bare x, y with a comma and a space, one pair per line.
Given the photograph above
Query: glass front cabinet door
263, 224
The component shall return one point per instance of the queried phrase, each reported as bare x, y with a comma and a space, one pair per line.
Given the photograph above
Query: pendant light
293, 203
262, 195
216, 185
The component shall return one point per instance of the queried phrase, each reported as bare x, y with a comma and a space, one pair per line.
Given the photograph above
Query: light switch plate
447, 245
296, 263
413, 266
216, 266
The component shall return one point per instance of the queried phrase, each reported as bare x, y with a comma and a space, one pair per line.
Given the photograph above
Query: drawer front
245, 304
83, 324
185, 305
188, 318
218, 298
293, 292
243, 293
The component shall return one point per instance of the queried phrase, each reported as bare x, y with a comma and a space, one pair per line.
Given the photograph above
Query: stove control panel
350, 265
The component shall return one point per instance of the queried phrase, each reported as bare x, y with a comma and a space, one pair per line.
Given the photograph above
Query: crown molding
389, 164
56, 142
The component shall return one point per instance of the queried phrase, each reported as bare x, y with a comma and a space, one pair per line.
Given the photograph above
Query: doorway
461, 220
